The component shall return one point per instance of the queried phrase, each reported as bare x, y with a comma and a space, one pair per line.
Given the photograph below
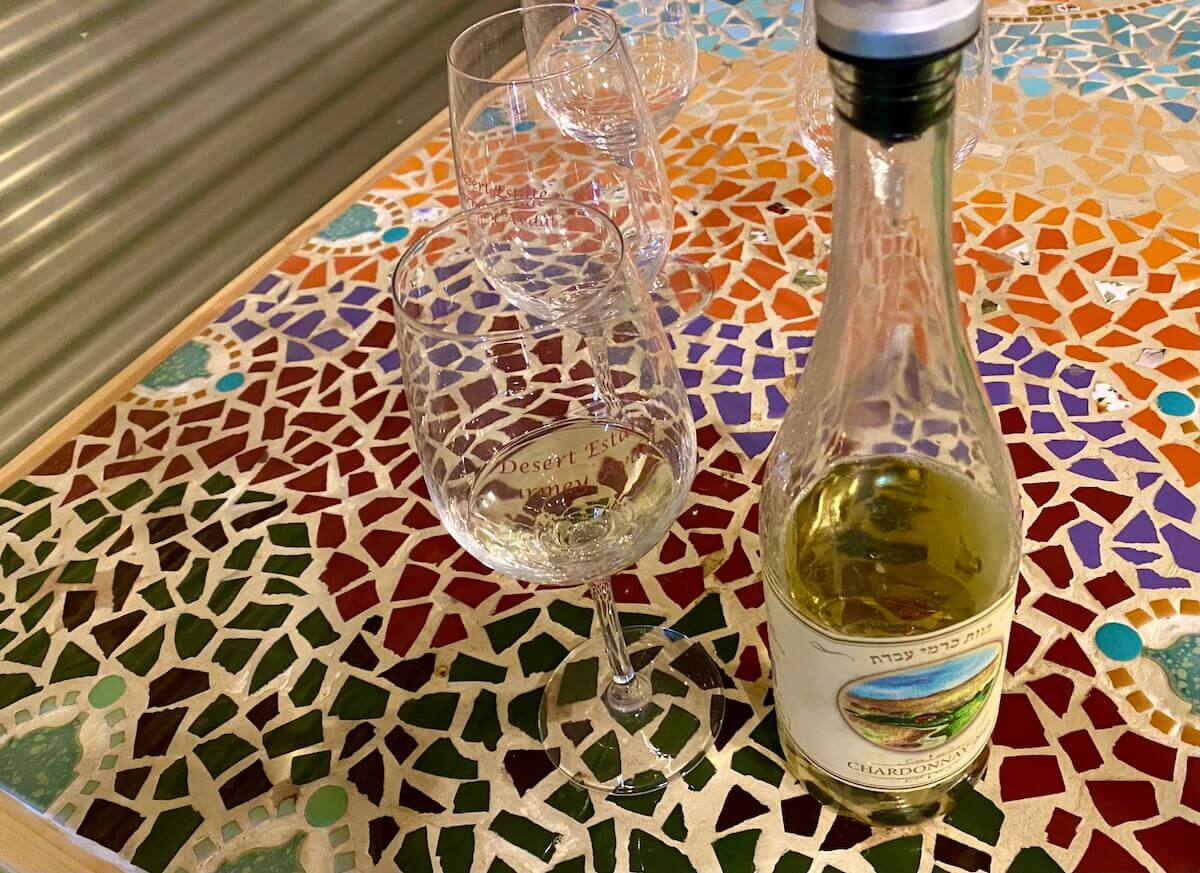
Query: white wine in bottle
891, 527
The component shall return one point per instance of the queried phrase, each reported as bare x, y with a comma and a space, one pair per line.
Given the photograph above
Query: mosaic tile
235, 637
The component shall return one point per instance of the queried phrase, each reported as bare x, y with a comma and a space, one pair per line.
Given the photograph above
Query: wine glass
558, 447
571, 123
814, 94
660, 42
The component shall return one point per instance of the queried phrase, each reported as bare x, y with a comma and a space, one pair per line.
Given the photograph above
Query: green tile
274, 661
226, 592
255, 497
506, 631
233, 653
315, 628
32, 525
276, 585
572, 617
243, 554
726, 647
751, 762
413, 856
793, 862
570, 799
173, 783
10, 561
359, 700
73, 663
603, 757
975, 814
192, 634
261, 616
305, 689
699, 776
7, 514
192, 586
634, 722
171, 830
524, 712
27, 586
221, 710
579, 680
287, 565
44, 549
525, 834
483, 724
645, 803
468, 669
217, 483
141, 656
157, 595
14, 687
99, 532
677, 727
78, 572
456, 848
294, 535
442, 759
202, 510
170, 496
704, 617
639, 619
766, 734
648, 854
34, 614
6, 637
434, 711
220, 754
675, 825
499, 865
735, 852
665, 683
1034, 859
603, 837
473, 797
90, 510
310, 767
901, 855
25, 492
40, 765
307, 730
32, 650
133, 493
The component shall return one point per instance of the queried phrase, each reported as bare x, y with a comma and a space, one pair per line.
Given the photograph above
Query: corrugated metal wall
151, 149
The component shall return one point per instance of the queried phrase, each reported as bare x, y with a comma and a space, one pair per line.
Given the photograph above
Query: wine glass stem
627, 692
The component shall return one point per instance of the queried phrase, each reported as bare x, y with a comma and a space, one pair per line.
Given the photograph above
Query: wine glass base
681, 290
633, 739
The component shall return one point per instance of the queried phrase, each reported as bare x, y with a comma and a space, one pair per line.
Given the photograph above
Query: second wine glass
558, 447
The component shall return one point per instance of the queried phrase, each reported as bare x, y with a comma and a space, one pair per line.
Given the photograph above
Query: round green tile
326, 806
106, 692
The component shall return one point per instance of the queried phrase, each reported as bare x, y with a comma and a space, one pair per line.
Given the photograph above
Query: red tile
1061, 828
1147, 756
404, 626
1018, 725
1055, 691
1081, 749
1105, 855
1025, 776
1174, 844
1068, 653
1122, 800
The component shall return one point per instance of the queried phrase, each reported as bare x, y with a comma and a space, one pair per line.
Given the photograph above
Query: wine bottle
891, 521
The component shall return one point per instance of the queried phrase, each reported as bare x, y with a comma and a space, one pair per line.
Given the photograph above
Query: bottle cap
889, 30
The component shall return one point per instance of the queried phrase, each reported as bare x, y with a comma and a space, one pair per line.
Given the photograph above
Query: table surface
236, 638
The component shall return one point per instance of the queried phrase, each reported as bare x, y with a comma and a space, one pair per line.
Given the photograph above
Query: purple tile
1136, 556
776, 403
1066, 448
1169, 501
1085, 537
728, 331
360, 295
329, 340
889, 448
801, 360
302, 328
985, 340
232, 312
298, 352
1045, 422
799, 341
246, 330
265, 284
1184, 547
730, 356
1073, 405
927, 447
390, 361
1102, 430
938, 426
1133, 449
902, 426
733, 406
279, 319
768, 367
765, 340
1041, 365
1147, 578
697, 326
999, 393
1018, 349
353, 317
961, 453
691, 378
696, 351
1146, 478
697, 405
310, 299
1140, 529
986, 369
1093, 468
754, 443
729, 379
1037, 395
1077, 376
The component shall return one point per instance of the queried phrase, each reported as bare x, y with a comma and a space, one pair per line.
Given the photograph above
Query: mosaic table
236, 638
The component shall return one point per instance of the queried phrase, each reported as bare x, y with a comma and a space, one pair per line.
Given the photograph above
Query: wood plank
33, 843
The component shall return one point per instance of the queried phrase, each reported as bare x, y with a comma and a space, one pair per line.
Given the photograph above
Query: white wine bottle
891, 522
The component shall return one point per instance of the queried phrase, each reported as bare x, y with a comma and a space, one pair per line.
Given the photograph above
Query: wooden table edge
115, 388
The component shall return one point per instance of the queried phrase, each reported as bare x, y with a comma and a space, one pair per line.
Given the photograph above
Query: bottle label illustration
906, 713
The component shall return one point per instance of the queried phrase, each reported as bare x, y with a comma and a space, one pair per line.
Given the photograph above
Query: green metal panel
151, 149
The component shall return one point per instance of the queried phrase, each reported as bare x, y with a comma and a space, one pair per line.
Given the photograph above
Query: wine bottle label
890, 714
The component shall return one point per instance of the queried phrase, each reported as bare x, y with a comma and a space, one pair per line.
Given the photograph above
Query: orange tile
1187, 606
1070, 287
1027, 286
1139, 386
1125, 266
1001, 238
1055, 216
1177, 336
755, 314
315, 278
1116, 339
1047, 261
1084, 232
788, 304
1050, 336
1043, 312
1090, 207
1024, 206
1162, 607
1160, 283
1090, 317
750, 214
721, 309
1179, 369
1148, 420
964, 274
293, 265
1141, 312
1006, 323
743, 290
1051, 238
725, 190
1084, 353
1185, 459
1162, 722
1139, 701
990, 214
1191, 300
774, 169
1188, 237
1190, 735
1148, 220
1096, 261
